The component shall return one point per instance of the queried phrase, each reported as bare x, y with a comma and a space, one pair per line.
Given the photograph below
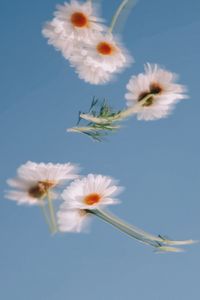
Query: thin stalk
126, 228
144, 237
120, 116
91, 129
52, 214
162, 249
44, 213
81, 129
117, 14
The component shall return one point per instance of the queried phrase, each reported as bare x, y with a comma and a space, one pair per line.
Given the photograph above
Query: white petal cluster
83, 195
34, 180
78, 32
93, 75
101, 59
72, 220
74, 22
162, 89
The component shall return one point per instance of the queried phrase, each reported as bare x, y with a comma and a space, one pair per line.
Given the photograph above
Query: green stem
52, 214
144, 237
126, 228
117, 14
81, 129
91, 129
44, 213
118, 117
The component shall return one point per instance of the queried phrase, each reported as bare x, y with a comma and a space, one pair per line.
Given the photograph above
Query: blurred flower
35, 181
159, 89
87, 196
101, 58
76, 32
73, 22
150, 96
83, 195
91, 192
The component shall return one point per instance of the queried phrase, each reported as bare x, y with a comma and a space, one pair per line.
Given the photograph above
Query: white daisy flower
104, 55
73, 22
72, 220
37, 180
91, 192
163, 93
84, 198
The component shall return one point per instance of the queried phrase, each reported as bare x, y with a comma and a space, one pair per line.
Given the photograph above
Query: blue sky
157, 162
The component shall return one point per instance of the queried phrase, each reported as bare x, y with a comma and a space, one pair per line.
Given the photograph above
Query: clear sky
157, 162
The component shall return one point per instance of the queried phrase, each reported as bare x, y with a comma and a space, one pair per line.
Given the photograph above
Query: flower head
159, 89
102, 57
83, 195
36, 180
73, 22
91, 192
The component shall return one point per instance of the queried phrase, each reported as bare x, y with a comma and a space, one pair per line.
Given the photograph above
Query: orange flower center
92, 199
105, 48
41, 188
78, 19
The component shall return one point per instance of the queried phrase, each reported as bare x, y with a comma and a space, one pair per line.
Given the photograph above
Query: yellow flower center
41, 188
78, 19
155, 89
105, 48
92, 199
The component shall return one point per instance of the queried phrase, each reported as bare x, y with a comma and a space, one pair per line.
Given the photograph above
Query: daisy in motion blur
83, 195
36, 182
73, 22
101, 58
88, 197
78, 32
153, 94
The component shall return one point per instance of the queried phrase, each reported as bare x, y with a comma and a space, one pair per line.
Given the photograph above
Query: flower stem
158, 242
81, 129
52, 214
118, 117
99, 125
117, 14
44, 213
